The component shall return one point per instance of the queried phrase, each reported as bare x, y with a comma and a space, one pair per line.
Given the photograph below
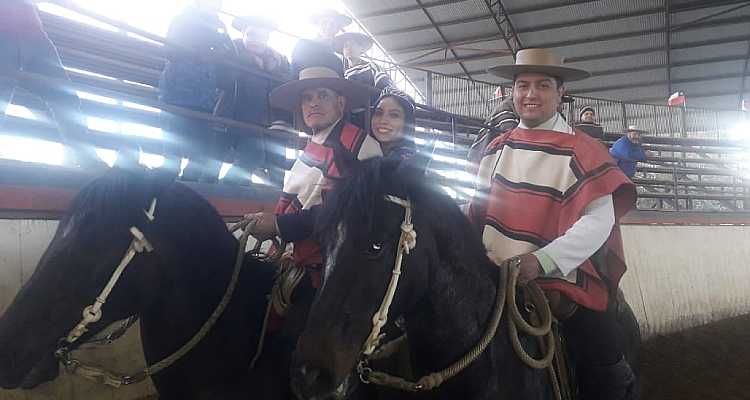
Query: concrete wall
684, 276
679, 277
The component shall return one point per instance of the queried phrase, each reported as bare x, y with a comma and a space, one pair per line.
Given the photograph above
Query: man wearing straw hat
548, 198
627, 150
352, 46
321, 96
329, 23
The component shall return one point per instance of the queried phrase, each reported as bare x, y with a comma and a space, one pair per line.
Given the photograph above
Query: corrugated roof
624, 43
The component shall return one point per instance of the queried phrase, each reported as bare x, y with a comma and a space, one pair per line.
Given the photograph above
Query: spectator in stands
547, 202
193, 79
393, 123
627, 150
322, 96
253, 150
25, 47
353, 46
503, 119
329, 23
587, 123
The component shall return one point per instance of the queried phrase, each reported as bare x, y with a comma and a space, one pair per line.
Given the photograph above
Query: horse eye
375, 249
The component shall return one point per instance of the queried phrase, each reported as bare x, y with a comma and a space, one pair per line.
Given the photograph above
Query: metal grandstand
695, 163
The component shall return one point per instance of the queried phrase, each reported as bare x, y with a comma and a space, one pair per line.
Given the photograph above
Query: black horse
173, 289
446, 292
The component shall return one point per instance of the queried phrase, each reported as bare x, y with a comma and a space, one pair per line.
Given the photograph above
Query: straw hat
341, 39
342, 19
240, 23
322, 70
540, 61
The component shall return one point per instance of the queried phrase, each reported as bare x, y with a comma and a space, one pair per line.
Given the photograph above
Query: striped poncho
534, 185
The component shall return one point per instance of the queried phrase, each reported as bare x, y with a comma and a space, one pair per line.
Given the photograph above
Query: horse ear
412, 170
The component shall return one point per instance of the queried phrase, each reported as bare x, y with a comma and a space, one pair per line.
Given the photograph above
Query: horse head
361, 226
91, 240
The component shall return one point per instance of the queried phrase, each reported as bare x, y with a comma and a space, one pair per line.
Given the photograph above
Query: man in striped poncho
548, 198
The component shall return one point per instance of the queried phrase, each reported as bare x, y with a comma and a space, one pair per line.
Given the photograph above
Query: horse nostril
311, 376
310, 381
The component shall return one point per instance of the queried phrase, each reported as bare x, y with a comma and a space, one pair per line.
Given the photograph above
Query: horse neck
452, 320
193, 284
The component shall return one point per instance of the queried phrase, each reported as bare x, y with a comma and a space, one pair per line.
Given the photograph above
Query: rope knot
408, 237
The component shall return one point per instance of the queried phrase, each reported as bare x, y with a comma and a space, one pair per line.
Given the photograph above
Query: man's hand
529, 267
262, 225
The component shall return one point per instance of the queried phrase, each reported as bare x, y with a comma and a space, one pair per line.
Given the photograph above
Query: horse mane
354, 200
117, 196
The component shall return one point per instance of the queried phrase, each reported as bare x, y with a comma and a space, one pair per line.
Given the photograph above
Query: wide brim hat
342, 19
287, 96
541, 61
341, 39
635, 128
240, 23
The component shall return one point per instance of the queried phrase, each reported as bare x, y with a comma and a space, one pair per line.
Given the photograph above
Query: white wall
22, 243
678, 277
684, 276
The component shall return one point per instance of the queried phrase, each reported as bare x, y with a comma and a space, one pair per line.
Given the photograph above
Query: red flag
676, 99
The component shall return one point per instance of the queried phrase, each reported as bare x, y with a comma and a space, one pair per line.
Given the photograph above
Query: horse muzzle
316, 384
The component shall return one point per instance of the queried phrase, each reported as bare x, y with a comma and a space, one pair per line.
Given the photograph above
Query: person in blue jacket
628, 151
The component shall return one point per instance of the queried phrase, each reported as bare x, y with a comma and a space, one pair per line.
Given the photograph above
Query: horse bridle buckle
364, 371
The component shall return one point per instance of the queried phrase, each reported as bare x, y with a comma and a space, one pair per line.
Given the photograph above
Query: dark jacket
592, 129
19, 16
627, 155
191, 77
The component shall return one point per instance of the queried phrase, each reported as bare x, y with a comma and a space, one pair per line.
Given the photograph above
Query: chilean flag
676, 99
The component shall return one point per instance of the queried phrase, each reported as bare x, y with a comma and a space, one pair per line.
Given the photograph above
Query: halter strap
406, 243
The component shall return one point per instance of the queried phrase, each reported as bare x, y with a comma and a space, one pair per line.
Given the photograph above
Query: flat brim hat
341, 39
634, 128
541, 61
288, 95
341, 19
240, 23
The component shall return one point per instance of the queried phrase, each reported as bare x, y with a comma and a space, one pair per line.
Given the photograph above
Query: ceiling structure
637, 50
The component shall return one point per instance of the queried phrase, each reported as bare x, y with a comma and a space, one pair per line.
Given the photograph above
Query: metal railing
693, 165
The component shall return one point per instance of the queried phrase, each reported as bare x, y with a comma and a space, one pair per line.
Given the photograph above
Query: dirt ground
706, 363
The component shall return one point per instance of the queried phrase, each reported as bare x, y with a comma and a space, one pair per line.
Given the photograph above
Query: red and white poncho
533, 186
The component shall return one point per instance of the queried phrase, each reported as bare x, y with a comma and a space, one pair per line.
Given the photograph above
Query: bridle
93, 313
505, 294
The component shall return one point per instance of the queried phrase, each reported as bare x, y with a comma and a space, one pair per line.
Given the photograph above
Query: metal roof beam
744, 75
557, 25
519, 10
504, 26
652, 83
668, 44
485, 38
651, 67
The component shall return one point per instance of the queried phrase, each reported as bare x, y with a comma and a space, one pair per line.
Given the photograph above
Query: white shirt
587, 235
